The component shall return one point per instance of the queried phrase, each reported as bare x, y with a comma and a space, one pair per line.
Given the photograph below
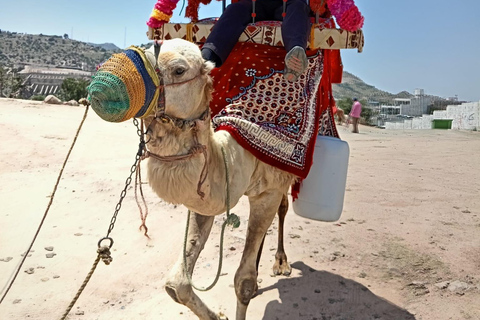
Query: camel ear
150, 56
207, 66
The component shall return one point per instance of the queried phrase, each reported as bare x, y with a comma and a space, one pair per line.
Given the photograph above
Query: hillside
353, 86
18, 49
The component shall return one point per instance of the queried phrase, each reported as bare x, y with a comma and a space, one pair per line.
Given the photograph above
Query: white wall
464, 117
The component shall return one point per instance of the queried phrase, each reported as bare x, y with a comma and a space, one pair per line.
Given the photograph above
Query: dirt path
406, 247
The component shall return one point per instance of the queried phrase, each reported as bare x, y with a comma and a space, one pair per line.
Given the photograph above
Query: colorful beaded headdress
125, 86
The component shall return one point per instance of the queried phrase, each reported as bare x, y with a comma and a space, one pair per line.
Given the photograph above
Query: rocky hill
18, 49
353, 86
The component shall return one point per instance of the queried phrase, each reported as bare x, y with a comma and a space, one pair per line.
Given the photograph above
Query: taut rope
48, 207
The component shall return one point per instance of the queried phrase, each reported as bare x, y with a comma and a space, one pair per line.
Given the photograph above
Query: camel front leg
262, 211
177, 285
281, 265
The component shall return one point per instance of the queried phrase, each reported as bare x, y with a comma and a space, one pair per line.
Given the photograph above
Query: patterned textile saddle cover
276, 120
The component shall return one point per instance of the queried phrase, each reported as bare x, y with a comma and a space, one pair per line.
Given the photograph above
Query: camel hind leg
281, 265
178, 286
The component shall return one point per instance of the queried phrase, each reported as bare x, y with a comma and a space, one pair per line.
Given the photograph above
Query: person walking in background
355, 114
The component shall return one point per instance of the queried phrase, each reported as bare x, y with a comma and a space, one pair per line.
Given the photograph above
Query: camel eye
179, 71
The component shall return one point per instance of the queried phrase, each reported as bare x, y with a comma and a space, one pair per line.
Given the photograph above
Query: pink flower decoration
351, 19
346, 13
166, 6
154, 23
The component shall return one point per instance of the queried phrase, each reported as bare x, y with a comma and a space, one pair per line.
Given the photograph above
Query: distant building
387, 110
415, 106
419, 92
454, 99
47, 80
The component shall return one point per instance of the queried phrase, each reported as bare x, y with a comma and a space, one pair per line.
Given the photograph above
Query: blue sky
409, 44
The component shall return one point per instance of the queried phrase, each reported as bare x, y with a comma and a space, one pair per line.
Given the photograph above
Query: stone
72, 103
30, 270
51, 255
419, 288
44, 279
442, 285
17, 301
6, 259
458, 286
51, 99
49, 248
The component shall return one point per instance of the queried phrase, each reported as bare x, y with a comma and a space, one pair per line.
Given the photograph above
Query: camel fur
176, 182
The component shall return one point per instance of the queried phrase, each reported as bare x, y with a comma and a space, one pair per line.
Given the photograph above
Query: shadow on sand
321, 295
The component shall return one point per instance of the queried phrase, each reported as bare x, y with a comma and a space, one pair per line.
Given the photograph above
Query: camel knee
245, 290
180, 293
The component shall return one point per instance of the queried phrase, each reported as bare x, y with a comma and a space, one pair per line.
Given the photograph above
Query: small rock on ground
30, 270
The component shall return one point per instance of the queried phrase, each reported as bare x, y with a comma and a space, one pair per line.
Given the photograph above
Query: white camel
188, 88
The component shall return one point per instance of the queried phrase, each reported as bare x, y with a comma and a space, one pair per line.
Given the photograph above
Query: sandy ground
406, 247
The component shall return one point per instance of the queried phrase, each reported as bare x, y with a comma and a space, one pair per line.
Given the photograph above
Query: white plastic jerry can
322, 192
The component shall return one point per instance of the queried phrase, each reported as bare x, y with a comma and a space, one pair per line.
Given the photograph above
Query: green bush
38, 98
73, 89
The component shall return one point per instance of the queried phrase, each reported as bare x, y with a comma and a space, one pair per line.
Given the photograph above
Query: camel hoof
282, 269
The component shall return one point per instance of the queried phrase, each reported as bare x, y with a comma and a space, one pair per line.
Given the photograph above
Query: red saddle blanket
276, 120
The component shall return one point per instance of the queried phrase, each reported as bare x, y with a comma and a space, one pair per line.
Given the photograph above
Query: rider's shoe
209, 55
295, 64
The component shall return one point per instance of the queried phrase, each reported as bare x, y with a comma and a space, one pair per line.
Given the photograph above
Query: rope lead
232, 219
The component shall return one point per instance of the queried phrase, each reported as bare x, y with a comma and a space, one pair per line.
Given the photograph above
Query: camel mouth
124, 87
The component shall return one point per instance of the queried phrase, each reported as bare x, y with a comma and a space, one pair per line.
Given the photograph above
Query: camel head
127, 85
185, 76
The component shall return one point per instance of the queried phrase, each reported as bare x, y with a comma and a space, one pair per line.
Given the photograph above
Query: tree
65, 36
345, 104
10, 84
16, 85
73, 89
2, 79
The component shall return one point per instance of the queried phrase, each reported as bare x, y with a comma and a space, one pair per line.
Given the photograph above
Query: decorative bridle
182, 124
